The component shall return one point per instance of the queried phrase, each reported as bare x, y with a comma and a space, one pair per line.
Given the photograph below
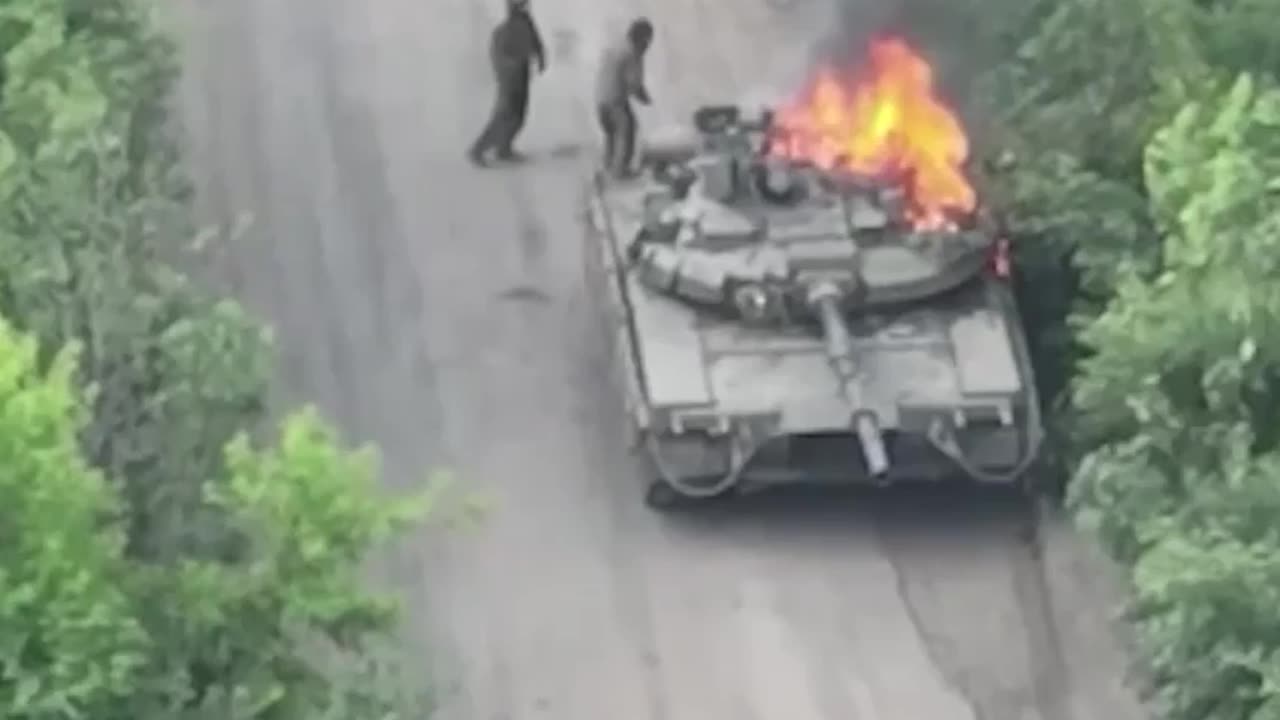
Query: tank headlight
754, 302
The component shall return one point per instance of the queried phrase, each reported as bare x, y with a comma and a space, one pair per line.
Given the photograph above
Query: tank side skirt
944, 439
624, 342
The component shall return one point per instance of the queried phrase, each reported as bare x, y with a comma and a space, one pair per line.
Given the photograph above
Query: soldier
620, 79
513, 48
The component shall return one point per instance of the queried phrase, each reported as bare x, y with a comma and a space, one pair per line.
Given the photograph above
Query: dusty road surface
436, 310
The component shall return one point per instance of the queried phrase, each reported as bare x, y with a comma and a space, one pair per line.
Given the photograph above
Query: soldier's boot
509, 154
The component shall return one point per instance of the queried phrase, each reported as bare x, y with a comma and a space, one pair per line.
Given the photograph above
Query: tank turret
708, 242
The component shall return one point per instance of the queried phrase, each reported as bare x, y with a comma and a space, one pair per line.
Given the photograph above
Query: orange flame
888, 123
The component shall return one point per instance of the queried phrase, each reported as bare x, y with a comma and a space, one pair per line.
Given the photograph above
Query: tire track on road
1011, 527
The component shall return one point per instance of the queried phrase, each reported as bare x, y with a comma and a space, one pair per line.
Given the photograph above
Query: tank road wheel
687, 470
1043, 481
1044, 484
662, 497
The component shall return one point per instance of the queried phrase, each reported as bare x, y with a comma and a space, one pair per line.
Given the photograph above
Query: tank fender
607, 270
693, 454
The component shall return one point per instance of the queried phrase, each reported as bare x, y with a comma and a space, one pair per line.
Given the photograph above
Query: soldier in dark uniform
513, 49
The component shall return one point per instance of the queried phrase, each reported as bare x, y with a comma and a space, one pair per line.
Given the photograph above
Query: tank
770, 323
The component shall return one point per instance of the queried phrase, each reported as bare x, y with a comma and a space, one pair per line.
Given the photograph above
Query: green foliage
1096, 78
1147, 221
68, 637
1180, 398
1237, 35
84, 632
170, 569
242, 635
90, 211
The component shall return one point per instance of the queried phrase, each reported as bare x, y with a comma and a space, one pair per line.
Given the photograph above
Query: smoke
854, 24
823, 33
948, 33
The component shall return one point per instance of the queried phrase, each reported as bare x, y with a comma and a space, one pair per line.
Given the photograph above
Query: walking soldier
514, 47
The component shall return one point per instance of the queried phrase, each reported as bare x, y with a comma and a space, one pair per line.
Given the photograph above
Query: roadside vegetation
164, 554
163, 557
1145, 206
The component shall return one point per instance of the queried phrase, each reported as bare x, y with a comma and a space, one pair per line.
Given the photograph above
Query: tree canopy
87, 631
1145, 206
156, 563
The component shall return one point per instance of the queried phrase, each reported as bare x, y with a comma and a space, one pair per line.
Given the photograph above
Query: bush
1146, 206
170, 569
1183, 389
69, 639
91, 207
87, 632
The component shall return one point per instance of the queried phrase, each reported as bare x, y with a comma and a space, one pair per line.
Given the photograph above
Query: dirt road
437, 310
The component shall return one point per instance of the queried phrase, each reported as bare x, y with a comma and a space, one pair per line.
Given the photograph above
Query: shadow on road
928, 513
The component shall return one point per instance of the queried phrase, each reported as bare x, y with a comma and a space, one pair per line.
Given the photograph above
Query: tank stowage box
772, 323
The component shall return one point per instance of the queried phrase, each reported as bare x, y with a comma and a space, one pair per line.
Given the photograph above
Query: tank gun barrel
826, 301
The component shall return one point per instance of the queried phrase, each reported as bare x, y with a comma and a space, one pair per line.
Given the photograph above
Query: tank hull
836, 458
684, 469
719, 409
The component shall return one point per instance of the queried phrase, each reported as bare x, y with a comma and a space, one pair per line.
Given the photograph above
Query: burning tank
813, 295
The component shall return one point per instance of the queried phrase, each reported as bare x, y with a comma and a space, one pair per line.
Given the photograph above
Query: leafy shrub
89, 215
155, 563
69, 639
1182, 392
86, 632
1146, 209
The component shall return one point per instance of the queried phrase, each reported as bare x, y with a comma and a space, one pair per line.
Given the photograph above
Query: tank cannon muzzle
872, 442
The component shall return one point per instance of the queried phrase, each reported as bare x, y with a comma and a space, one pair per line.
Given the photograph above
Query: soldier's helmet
640, 31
